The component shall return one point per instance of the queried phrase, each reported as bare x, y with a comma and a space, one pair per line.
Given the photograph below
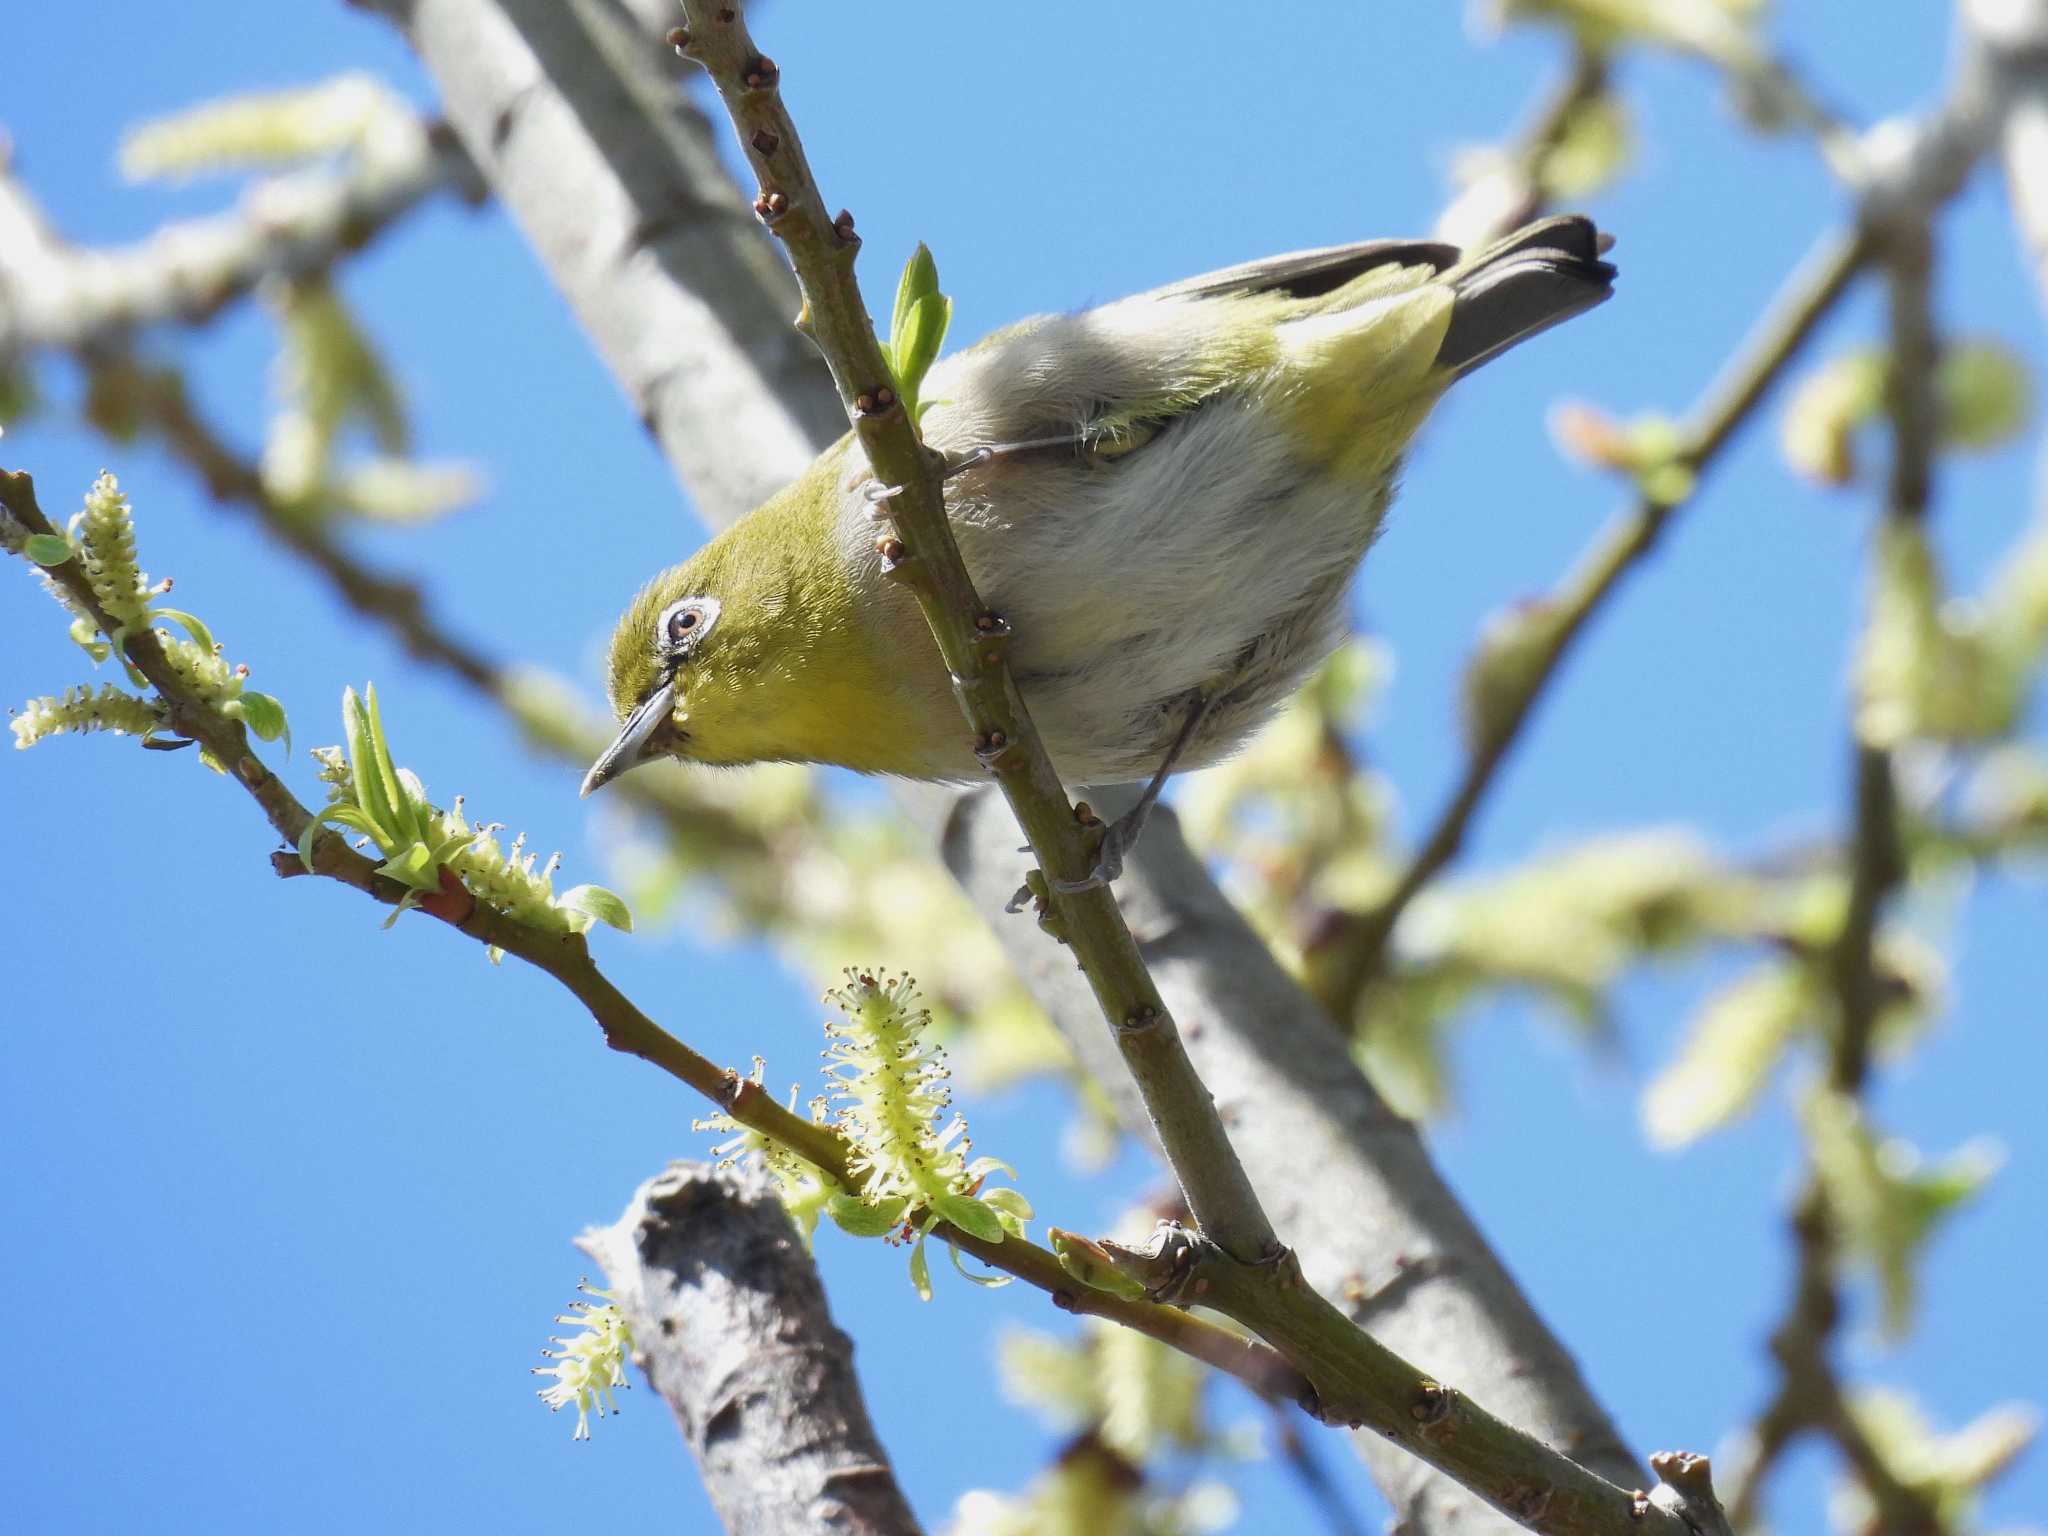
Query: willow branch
518, 81
971, 639
612, 176
1512, 193
625, 1027
731, 1327
1810, 1396
53, 294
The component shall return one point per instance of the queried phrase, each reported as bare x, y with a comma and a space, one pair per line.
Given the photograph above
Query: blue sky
289, 1199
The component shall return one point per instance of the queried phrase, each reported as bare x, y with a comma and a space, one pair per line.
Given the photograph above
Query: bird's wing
1311, 274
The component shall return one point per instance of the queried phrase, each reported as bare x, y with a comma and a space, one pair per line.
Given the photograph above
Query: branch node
893, 551
1685, 1488
1433, 1403
991, 749
766, 140
760, 75
1142, 1019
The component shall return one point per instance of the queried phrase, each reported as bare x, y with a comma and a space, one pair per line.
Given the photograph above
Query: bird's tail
1537, 277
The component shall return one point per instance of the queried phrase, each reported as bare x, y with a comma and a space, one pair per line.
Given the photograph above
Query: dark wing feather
1311, 274
1538, 276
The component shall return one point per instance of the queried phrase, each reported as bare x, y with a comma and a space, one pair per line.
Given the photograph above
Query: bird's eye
684, 624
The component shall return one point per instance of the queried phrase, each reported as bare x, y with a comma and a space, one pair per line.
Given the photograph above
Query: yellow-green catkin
83, 709
106, 529
892, 1090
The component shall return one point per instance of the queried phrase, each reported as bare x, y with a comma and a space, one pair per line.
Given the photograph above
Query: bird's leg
878, 495
1121, 835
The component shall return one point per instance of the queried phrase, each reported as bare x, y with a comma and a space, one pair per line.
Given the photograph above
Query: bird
1164, 498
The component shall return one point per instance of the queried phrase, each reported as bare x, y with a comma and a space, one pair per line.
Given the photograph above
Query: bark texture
730, 1325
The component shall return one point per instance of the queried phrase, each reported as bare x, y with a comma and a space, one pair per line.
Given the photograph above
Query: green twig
971, 639
626, 1029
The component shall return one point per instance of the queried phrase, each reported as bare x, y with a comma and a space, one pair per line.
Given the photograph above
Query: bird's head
755, 649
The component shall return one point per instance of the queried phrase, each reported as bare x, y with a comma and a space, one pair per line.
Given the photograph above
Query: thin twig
57, 295
626, 1029
1810, 1396
1236, 1265
971, 639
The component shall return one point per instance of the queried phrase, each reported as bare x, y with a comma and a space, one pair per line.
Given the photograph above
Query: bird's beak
636, 741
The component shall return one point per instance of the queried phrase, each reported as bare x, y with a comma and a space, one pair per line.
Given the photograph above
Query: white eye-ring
683, 625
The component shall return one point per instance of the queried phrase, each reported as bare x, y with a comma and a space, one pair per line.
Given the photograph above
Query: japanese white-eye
1164, 497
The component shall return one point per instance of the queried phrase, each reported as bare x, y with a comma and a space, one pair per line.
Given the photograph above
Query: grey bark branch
1346, 1180
610, 172
730, 1326
1377, 1229
53, 294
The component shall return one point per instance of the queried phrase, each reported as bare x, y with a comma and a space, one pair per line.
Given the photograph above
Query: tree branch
626, 1029
1899, 209
612, 176
731, 1327
56, 295
1455, 1305
971, 639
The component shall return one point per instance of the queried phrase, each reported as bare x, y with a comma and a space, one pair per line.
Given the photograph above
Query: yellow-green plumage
1224, 452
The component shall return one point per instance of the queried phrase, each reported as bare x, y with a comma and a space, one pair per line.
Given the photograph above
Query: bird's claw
878, 496
990, 750
1118, 838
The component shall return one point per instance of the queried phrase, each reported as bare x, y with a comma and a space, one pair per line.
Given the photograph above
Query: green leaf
265, 716
413, 865
362, 762
857, 1218
918, 327
1010, 1205
1734, 1045
201, 635
340, 815
916, 344
407, 806
405, 904
920, 280
86, 635
400, 810
600, 904
116, 643
920, 1270
47, 548
990, 1282
448, 847
970, 1216
307, 838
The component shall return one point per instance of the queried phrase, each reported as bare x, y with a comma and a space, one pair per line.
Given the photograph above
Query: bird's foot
1117, 840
